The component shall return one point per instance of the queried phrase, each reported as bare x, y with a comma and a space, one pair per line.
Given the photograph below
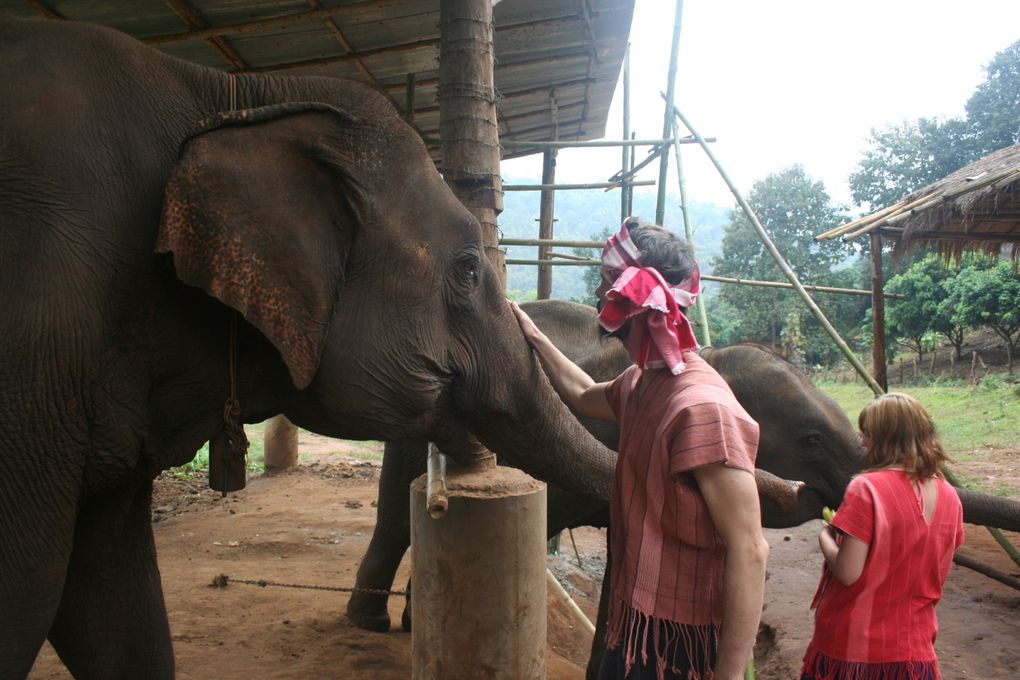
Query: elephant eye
469, 271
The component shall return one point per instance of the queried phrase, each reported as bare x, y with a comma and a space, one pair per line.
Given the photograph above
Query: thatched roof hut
975, 208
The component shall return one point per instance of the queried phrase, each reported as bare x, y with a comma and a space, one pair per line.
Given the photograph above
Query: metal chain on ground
222, 581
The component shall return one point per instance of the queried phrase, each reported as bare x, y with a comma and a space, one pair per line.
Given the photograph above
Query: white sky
793, 81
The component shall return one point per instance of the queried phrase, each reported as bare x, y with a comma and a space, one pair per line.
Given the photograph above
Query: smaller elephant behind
805, 435
575, 330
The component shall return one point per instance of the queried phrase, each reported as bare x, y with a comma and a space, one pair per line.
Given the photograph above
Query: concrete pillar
479, 598
281, 443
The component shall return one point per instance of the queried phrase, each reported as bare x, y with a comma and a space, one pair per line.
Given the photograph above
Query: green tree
994, 108
909, 320
902, 158
926, 307
793, 208
990, 297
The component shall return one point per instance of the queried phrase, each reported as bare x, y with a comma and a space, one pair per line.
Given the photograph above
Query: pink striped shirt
667, 558
885, 622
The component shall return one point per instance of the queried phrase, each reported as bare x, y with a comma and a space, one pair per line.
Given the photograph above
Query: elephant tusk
435, 484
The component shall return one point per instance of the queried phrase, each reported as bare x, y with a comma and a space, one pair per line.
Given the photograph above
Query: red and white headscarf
659, 331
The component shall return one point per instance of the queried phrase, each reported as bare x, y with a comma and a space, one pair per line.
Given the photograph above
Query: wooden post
545, 222
280, 444
973, 365
467, 116
878, 314
931, 365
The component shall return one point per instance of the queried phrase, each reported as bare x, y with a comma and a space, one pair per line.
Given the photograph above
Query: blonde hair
902, 433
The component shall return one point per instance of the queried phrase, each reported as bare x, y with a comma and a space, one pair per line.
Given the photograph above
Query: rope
223, 580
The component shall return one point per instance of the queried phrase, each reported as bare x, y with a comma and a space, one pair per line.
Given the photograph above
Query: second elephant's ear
253, 216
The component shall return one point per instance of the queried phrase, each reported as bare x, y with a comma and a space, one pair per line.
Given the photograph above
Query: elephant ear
260, 214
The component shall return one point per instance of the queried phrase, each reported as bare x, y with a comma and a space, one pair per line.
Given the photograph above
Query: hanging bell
226, 463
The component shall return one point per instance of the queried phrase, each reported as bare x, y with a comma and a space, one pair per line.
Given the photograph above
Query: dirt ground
312, 525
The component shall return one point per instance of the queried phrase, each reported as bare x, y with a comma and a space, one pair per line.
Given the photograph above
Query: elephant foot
377, 622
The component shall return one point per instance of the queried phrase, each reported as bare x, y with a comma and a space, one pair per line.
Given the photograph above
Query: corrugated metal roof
563, 51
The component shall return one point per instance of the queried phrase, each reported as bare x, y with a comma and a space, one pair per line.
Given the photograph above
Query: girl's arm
845, 559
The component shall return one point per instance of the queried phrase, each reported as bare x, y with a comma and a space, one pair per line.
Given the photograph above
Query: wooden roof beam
193, 19
338, 35
273, 22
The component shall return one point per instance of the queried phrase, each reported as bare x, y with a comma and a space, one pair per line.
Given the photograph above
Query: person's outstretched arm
574, 386
732, 499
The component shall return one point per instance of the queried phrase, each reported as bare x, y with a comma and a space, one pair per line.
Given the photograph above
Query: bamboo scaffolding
782, 264
570, 187
564, 143
667, 114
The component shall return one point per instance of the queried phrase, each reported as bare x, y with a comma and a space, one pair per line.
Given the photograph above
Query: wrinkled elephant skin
148, 206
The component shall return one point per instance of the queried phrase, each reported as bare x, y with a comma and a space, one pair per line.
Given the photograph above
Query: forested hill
587, 215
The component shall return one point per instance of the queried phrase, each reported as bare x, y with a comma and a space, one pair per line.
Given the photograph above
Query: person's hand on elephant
531, 332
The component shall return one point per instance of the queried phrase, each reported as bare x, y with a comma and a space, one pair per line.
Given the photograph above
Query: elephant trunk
990, 511
542, 437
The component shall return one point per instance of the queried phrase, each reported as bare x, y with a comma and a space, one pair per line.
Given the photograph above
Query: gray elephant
174, 237
805, 436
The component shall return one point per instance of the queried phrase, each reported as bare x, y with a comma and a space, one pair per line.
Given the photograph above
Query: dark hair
671, 255
902, 433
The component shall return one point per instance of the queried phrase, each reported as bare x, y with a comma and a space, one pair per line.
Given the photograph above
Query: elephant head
298, 252
333, 235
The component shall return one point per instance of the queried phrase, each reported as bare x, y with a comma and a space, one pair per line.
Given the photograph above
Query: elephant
804, 435
187, 250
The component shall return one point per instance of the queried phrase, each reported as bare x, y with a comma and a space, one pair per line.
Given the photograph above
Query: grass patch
255, 461
968, 417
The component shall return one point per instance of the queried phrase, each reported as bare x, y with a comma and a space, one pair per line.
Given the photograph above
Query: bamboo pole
561, 593
625, 151
570, 187
567, 143
667, 117
842, 229
706, 335
782, 264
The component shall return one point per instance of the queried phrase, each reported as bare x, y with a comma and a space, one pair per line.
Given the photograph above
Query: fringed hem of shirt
822, 667
631, 628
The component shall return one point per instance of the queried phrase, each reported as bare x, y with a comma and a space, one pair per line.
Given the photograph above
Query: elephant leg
37, 513
112, 621
391, 537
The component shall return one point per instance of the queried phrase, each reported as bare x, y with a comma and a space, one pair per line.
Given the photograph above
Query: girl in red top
887, 554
